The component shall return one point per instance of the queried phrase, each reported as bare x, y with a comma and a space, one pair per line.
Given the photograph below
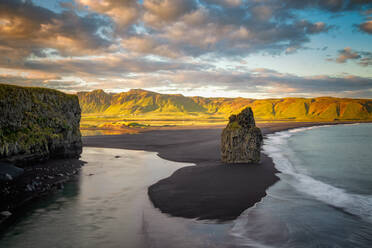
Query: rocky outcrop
241, 140
37, 124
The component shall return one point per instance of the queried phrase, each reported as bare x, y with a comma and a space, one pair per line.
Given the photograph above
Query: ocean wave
301, 129
282, 218
284, 159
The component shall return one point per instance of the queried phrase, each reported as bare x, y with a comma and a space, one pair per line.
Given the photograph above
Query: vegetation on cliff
147, 104
38, 123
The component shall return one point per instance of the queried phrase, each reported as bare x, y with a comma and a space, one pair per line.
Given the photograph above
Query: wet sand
210, 190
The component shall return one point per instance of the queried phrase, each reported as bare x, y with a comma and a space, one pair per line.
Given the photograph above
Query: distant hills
142, 103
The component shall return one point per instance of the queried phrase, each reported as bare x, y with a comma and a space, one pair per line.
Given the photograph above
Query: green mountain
143, 103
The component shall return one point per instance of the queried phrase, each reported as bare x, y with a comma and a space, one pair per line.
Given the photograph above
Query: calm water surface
107, 206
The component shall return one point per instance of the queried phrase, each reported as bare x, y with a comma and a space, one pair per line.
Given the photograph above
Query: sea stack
241, 140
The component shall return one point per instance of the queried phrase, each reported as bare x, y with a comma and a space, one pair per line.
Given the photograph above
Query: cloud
158, 12
366, 60
167, 28
366, 27
118, 74
123, 12
26, 28
362, 58
168, 43
346, 54
226, 3
314, 28
211, 27
114, 65
329, 5
260, 82
146, 44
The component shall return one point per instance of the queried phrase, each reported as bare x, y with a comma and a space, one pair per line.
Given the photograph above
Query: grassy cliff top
7, 88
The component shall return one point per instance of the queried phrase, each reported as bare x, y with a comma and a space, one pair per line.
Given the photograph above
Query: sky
211, 48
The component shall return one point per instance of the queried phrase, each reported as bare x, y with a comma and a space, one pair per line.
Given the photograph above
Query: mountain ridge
138, 102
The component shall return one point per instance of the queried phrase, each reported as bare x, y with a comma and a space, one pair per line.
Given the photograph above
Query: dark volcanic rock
241, 140
37, 124
9, 172
34, 181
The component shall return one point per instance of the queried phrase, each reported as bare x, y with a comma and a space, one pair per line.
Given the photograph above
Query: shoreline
37, 181
209, 190
95, 131
191, 187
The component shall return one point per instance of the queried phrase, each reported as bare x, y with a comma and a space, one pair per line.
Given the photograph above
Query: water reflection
107, 206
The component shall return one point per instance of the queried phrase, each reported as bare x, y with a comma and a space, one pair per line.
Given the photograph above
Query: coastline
38, 180
209, 190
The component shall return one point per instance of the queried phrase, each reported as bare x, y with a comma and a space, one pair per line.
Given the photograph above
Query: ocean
324, 199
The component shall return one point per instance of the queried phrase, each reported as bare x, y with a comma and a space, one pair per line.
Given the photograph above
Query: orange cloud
366, 27
123, 12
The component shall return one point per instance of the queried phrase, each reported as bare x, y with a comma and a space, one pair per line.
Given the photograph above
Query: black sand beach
209, 190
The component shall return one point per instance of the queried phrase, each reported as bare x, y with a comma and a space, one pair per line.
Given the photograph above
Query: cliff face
146, 103
38, 123
241, 140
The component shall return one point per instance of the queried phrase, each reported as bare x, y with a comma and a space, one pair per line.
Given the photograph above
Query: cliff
241, 140
38, 123
151, 104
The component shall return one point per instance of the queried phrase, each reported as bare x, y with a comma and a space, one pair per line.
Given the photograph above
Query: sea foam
301, 210
276, 147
